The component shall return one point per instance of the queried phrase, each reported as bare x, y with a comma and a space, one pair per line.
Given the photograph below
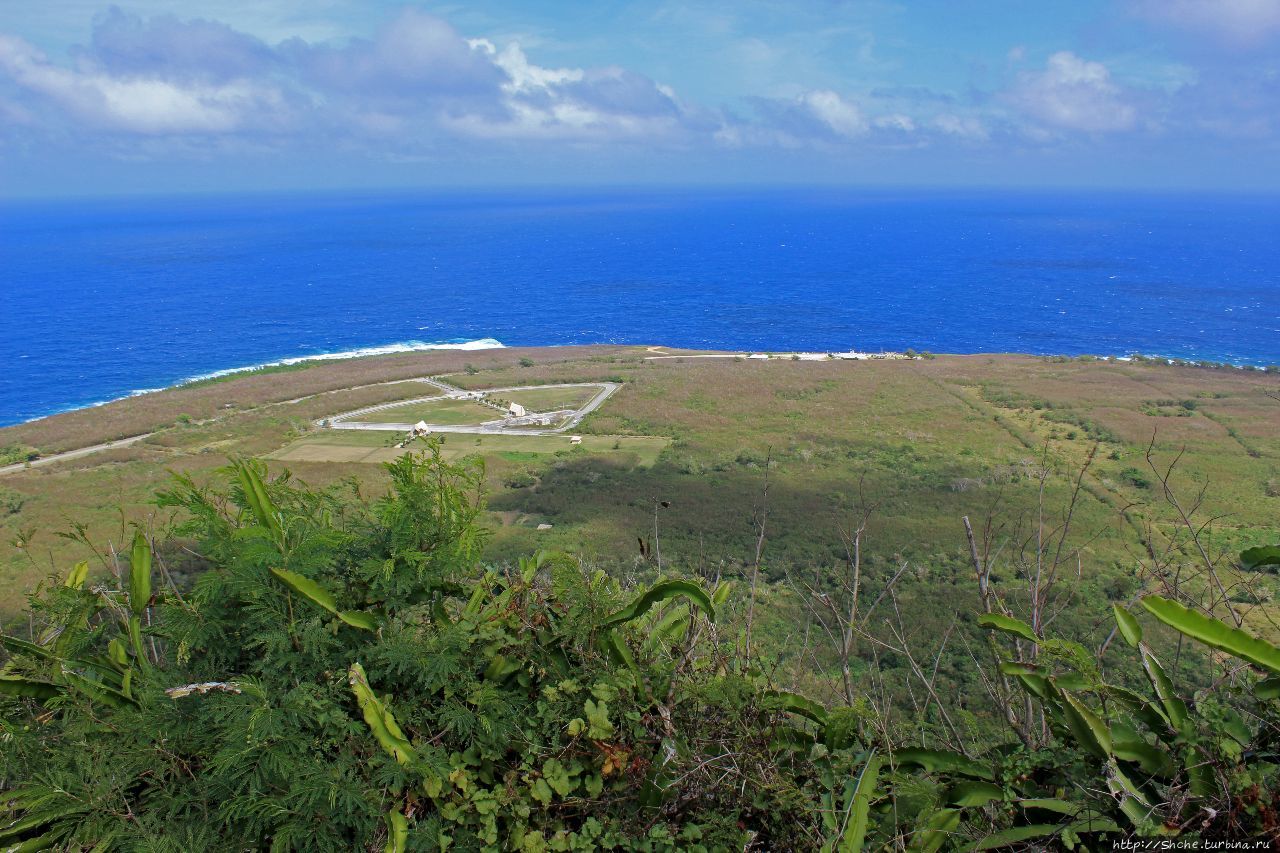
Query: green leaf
23, 647
1089, 730
1008, 625
855, 830
797, 704
1214, 633
1174, 708
359, 619
1152, 760
940, 761
1256, 558
96, 691
1129, 627
1016, 834
78, 575
936, 831
659, 592
974, 793
255, 495
1268, 688
379, 718
397, 832
1061, 807
140, 574
14, 685
324, 599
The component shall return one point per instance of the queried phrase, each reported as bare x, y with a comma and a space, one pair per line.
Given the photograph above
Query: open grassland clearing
552, 399
443, 412
925, 442
369, 447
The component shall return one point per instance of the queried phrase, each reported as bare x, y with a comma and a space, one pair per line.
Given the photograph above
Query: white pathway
503, 426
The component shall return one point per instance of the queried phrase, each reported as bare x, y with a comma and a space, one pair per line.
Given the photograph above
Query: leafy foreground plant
346, 677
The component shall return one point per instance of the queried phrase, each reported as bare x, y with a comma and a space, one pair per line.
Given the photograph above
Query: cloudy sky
168, 96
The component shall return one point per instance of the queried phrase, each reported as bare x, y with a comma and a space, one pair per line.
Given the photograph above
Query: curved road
494, 427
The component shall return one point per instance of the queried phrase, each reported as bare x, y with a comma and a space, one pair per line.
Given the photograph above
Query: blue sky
164, 96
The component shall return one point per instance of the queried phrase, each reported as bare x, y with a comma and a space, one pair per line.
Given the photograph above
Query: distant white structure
575, 439
812, 356
851, 355
516, 410
759, 356
420, 428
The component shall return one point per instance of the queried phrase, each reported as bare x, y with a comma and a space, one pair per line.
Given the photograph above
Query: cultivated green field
446, 412
550, 399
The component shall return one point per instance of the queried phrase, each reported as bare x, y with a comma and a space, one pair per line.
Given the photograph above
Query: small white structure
420, 428
544, 526
575, 439
516, 410
759, 356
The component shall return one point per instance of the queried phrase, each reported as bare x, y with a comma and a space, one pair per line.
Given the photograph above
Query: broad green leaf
255, 494
397, 832
1174, 708
1051, 805
1013, 835
1268, 688
1256, 558
379, 718
1214, 633
117, 652
1008, 625
324, 599
96, 691
1091, 732
940, 761
1129, 627
139, 574
78, 575
1151, 759
618, 650
855, 830
23, 647
937, 830
797, 704
974, 793
361, 619
659, 592
13, 685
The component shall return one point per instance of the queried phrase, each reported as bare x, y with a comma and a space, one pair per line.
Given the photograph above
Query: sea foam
384, 349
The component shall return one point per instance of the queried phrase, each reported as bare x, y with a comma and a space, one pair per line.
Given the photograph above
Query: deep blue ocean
100, 299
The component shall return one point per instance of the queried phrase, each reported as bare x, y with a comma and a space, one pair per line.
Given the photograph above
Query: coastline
487, 344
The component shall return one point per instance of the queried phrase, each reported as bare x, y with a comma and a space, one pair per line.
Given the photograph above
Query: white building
420, 428
516, 410
575, 439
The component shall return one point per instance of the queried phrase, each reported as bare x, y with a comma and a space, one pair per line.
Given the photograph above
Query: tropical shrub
344, 675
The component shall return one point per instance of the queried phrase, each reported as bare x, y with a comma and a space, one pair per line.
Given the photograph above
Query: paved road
450, 391
494, 427
74, 454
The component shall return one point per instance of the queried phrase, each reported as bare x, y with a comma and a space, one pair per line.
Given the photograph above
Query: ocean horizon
107, 298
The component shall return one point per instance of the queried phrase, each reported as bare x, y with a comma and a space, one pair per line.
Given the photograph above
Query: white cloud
841, 116
144, 105
1240, 22
1073, 94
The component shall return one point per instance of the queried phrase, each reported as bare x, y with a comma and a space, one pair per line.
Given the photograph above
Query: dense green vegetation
323, 671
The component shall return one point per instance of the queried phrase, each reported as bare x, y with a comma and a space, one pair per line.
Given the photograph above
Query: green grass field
550, 399
446, 412
926, 442
361, 446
